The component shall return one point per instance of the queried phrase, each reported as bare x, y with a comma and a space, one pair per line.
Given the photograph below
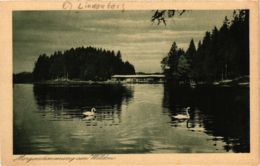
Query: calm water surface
129, 119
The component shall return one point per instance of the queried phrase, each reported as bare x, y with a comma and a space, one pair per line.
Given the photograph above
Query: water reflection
66, 103
222, 112
129, 119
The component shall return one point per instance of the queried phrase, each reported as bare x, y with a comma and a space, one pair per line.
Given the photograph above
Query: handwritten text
94, 5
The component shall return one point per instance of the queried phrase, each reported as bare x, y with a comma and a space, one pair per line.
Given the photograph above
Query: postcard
129, 82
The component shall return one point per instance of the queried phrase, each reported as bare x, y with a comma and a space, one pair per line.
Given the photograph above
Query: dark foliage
162, 15
24, 77
109, 95
222, 54
81, 64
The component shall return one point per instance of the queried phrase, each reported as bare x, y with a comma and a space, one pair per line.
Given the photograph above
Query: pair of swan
91, 112
180, 116
183, 117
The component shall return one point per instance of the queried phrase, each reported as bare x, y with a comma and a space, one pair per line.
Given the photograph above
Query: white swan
90, 113
89, 117
180, 116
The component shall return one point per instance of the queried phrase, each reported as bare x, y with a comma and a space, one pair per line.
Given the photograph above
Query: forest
222, 54
83, 63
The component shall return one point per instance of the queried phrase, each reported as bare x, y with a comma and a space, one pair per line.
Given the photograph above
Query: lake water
133, 118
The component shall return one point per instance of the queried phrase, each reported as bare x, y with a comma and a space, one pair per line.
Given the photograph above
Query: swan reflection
66, 103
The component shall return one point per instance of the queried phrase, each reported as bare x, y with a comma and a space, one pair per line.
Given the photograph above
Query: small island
76, 66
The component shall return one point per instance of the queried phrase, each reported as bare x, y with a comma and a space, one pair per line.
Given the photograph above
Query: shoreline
88, 83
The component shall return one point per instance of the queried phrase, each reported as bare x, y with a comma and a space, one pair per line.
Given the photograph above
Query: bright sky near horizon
141, 43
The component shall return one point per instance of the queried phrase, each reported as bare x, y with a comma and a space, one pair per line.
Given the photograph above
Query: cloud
160, 35
131, 32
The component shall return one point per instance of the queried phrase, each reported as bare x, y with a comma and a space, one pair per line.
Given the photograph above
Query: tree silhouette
81, 64
222, 54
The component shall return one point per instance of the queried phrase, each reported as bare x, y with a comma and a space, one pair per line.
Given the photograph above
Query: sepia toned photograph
131, 82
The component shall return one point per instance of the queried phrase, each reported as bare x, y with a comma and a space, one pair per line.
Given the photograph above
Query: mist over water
134, 118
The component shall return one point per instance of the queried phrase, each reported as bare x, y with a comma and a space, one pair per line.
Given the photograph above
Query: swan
187, 116
89, 117
90, 113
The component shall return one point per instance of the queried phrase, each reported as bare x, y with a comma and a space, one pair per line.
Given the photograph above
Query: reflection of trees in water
222, 112
68, 102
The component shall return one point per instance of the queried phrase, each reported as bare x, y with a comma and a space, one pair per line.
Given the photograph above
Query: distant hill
24, 77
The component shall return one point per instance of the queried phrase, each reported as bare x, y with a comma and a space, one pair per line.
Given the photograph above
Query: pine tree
190, 53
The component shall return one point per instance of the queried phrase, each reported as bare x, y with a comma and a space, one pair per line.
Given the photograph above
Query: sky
140, 42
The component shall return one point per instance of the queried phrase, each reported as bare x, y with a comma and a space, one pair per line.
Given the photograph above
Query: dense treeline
81, 64
222, 54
